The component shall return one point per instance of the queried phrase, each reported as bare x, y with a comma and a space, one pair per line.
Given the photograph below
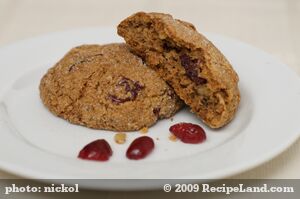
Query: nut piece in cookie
188, 62
107, 87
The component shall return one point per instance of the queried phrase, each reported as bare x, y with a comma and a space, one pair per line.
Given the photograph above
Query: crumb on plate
144, 130
120, 138
173, 138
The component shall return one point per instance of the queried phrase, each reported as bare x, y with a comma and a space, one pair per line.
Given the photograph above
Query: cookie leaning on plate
191, 64
107, 87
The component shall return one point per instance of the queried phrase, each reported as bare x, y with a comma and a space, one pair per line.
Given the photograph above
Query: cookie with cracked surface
107, 87
198, 72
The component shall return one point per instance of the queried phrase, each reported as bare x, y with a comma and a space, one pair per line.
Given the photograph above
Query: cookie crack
81, 94
85, 60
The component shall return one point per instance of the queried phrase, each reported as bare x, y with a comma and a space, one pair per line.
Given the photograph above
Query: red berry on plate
97, 150
140, 148
188, 133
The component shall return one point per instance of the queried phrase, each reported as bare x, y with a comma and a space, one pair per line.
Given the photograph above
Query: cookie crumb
172, 119
173, 138
120, 138
144, 130
157, 138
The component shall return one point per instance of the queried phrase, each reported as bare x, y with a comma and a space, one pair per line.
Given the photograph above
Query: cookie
197, 71
107, 87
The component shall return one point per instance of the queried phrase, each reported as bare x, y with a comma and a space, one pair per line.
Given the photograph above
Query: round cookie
107, 87
188, 62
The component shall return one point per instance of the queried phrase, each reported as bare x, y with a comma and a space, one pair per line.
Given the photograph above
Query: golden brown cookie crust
190, 63
107, 87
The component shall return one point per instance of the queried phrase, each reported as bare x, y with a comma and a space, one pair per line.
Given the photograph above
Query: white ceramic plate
36, 144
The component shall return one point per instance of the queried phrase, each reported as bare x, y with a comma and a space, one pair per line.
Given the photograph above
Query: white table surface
272, 25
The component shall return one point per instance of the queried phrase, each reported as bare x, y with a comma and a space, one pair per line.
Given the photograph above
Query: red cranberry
97, 150
188, 133
140, 148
